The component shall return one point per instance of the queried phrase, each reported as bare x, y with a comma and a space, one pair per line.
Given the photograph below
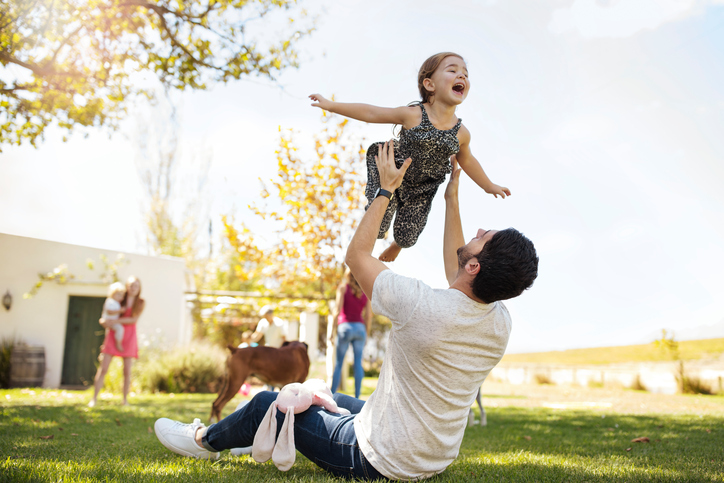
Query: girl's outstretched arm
368, 113
472, 166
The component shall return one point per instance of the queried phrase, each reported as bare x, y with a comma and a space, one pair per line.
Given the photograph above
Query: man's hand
453, 234
321, 102
390, 176
496, 190
451, 192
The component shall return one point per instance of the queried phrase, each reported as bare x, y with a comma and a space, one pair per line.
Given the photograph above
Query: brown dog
275, 367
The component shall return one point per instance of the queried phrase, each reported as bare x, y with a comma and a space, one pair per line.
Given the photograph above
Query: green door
83, 339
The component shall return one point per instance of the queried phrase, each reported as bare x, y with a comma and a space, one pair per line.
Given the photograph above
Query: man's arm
453, 234
359, 259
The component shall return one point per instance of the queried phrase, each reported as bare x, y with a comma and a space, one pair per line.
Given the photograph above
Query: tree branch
36, 69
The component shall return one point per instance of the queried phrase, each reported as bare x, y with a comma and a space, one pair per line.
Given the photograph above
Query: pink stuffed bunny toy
293, 399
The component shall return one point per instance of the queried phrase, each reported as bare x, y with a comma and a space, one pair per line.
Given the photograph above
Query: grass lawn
688, 350
115, 443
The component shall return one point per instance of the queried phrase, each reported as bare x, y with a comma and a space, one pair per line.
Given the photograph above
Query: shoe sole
182, 452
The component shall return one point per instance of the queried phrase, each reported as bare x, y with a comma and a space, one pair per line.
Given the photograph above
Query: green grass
113, 443
688, 349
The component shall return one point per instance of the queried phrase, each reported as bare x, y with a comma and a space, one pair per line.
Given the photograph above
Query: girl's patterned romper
430, 150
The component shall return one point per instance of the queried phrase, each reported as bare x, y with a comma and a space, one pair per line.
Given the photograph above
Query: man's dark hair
508, 265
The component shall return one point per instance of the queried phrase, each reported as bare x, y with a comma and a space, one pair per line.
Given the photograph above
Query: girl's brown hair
351, 282
139, 303
428, 68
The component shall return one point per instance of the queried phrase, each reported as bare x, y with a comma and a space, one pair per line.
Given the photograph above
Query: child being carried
112, 310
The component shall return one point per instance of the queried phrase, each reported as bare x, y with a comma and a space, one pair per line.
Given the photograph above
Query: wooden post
309, 332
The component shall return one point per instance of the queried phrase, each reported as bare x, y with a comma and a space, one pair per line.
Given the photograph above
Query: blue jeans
327, 439
356, 333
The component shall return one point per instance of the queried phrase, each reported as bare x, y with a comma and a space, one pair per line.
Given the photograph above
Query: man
442, 345
271, 328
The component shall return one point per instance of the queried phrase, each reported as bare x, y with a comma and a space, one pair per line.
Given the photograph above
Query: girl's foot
390, 253
92, 403
119, 346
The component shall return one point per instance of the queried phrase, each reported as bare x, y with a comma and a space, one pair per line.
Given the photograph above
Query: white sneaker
179, 438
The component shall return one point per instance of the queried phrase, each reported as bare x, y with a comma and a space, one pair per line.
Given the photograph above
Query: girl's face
450, 81
118, 296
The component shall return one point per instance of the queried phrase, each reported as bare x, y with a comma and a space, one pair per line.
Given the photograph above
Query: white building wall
42, 320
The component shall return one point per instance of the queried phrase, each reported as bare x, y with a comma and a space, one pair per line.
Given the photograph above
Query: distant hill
688, 350
712, 331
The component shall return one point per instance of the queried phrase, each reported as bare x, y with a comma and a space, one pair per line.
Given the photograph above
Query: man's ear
472, 267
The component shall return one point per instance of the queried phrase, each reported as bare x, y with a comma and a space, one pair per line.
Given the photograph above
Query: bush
694, 385
6, 351
542, 379
198, 368
637, 385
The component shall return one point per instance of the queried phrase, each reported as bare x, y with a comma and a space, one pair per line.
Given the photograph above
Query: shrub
694, 385
637, 385
542, 379
6, 351
198, 368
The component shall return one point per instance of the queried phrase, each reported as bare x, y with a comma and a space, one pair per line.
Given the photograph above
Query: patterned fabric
430, 149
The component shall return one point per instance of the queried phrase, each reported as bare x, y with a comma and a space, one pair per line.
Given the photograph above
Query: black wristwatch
381, 192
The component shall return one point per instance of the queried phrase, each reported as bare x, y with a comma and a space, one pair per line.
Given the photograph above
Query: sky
604, 118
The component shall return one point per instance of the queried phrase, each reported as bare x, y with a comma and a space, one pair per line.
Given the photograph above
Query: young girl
431, 133
112, 311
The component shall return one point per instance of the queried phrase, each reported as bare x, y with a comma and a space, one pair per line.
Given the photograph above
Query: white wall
42, 320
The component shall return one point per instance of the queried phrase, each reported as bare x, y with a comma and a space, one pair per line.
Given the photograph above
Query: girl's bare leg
100, 377
390, 253
127, 364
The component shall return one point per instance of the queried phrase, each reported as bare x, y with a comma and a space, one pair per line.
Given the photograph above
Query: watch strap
381, 192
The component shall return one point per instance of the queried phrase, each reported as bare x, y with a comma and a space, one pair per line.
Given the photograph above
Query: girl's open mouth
459, 88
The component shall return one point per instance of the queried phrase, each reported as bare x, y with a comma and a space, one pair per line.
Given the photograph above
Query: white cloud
618, 18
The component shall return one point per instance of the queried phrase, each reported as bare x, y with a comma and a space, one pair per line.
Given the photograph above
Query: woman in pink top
133, 305
353, 314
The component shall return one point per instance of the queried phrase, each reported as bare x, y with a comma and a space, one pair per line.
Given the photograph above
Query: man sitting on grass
442, 345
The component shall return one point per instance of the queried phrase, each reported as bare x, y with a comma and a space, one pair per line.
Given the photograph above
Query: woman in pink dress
134, 305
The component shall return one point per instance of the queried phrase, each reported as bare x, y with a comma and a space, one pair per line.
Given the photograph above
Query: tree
79, 62
175, 182
317, 204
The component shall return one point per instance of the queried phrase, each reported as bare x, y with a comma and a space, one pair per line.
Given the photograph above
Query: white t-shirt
111, 304
273, 333
441, 348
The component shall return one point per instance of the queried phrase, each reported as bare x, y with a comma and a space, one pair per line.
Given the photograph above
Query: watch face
377, 193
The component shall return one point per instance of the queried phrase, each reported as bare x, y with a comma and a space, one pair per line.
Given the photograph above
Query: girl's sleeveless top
352, 308
430, 149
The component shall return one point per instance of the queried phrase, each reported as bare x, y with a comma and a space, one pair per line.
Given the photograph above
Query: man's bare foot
390, 253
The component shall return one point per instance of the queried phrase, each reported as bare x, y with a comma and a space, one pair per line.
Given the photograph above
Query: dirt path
607, 400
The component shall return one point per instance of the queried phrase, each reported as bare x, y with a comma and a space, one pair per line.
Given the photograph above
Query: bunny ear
285, 452
326, 401
265, 436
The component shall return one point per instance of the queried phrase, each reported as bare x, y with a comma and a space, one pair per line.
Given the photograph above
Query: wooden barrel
27, 366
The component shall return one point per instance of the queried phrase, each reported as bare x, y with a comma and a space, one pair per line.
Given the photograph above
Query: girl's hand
496, 190
321, 102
